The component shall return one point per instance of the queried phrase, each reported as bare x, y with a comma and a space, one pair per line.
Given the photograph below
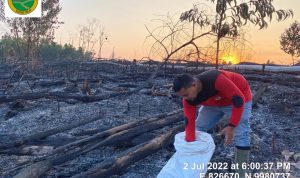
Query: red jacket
219, 88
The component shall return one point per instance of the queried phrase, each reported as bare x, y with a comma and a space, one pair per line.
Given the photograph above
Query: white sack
191, 158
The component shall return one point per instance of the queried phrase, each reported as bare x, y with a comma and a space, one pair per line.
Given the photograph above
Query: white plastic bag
191, 158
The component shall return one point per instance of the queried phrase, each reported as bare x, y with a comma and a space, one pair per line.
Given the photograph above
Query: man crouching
219, 93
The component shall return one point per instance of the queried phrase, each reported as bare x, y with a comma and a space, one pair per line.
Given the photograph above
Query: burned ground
116, 94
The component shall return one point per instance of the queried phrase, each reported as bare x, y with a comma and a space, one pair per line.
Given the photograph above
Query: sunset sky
125, 20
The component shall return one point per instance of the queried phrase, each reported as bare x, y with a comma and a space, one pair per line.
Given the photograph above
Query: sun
229, 59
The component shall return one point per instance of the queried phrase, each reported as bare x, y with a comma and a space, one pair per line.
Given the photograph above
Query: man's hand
228, 132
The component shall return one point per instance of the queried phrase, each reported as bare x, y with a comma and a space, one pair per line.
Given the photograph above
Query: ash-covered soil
275, 122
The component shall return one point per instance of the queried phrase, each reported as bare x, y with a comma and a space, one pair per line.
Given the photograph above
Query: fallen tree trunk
258, 68
127, 134
287, 69
47, 133
49, 83
93, 80
115, 130
29, 150
111, 140
34, 147
92, 131
115, 165
286, 81
102, 132
62, 95
136, 140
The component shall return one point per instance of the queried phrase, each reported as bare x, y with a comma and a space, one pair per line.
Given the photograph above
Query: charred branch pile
109, 137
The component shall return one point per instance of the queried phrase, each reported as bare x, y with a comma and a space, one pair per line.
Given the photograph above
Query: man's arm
230, 90
190, 118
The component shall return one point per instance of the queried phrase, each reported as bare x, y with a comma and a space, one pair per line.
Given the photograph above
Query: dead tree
177, 38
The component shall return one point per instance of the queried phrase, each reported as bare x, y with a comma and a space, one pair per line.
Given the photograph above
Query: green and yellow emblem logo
22, 7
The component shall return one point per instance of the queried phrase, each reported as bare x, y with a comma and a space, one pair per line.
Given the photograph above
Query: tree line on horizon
33, 38
10, 49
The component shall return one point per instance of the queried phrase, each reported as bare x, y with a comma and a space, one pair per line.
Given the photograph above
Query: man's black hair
182, 81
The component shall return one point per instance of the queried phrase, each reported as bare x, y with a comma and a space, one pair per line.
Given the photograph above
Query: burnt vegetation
81, 118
